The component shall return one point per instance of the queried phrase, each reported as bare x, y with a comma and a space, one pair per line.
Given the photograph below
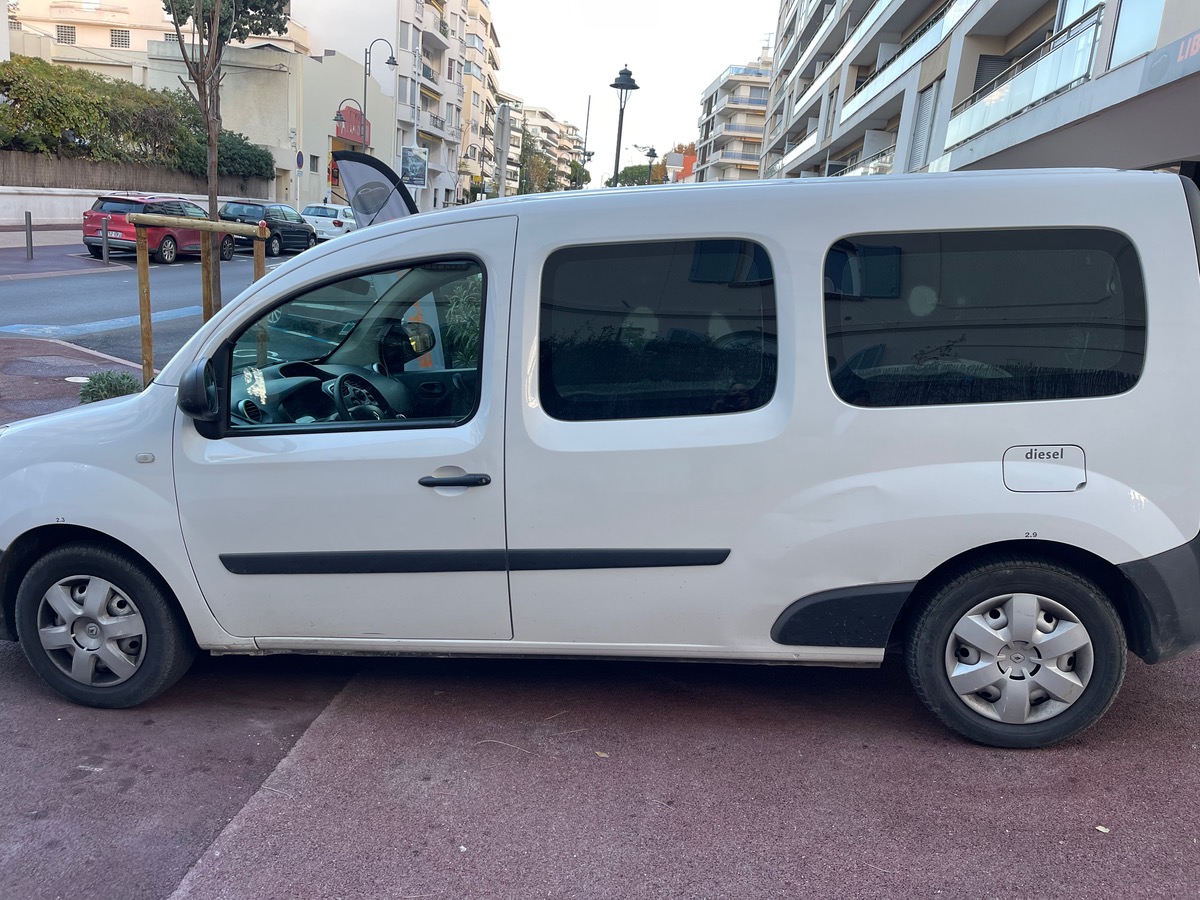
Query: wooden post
206, 288
143, 270
260, 251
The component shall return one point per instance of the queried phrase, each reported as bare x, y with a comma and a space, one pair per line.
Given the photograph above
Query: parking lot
317, 777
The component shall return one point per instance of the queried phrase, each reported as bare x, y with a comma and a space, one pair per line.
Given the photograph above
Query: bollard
104, 238
28, 234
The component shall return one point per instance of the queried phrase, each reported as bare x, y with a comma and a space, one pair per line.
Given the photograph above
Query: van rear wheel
1017, 652
99, 629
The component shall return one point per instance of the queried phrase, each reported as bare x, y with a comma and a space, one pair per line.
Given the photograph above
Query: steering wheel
357, 399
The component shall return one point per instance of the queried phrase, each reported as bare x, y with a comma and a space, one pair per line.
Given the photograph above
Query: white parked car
330, 220
797, 422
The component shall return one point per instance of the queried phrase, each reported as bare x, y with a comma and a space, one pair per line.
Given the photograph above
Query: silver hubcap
1019, 658
92, 631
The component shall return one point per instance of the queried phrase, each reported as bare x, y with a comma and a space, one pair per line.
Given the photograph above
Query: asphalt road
96, 306
313, 777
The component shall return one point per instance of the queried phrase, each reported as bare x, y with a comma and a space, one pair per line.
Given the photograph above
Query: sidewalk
35, 373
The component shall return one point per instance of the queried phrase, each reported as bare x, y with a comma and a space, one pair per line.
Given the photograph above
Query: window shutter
917, 156
988, 68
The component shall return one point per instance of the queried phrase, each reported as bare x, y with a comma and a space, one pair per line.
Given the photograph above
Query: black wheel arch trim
860, 616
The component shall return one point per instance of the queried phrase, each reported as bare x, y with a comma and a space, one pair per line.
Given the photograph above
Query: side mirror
198, 392
200, 399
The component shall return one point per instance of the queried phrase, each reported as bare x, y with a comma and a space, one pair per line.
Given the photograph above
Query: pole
362, 119
206, 287
143, 270
617, 161
28, 234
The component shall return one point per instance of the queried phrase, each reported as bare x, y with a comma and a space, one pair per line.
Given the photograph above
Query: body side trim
360, 562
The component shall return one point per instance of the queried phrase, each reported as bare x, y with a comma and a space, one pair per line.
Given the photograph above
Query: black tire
167, 250
312, 241
274, 245
972, 630
97, 252
227, 248
131, 646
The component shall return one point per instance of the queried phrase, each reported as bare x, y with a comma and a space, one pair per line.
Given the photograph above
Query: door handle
455, 481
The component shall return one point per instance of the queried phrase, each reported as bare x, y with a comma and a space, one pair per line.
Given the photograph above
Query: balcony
794, 154
436, 35
429, 74
727, 131
737, 157
1062, 62
877, 164
842, 53
911, 52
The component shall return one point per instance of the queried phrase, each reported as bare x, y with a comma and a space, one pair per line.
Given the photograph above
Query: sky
556, 54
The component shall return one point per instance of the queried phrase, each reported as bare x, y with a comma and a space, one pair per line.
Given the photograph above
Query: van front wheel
1017, 652
99, 629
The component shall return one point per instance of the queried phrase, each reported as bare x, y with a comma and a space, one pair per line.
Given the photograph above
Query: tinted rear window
243, 209
110, 205
983, 316
319, 212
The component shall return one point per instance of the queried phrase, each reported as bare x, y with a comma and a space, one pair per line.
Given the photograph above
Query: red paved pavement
34, 373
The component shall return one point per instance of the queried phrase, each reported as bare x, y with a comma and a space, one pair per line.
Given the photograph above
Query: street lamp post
624, 84
650, 157
362, 120
391, 64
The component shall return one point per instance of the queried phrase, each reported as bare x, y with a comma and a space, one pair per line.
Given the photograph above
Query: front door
343, 502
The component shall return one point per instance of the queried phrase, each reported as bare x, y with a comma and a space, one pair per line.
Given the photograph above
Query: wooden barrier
142, 221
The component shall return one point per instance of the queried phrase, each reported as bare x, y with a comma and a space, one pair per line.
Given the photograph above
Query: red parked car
165, 243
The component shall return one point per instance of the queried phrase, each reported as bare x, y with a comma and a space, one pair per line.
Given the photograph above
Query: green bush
61, 111
107, 384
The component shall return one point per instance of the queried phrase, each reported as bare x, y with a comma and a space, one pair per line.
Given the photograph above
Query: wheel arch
27, 549
1107, 576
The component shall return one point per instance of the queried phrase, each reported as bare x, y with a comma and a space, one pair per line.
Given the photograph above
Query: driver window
392, 348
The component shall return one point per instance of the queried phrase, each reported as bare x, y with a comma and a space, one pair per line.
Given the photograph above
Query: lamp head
625, 81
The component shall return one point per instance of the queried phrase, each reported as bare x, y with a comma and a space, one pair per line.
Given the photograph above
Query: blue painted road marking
74, 331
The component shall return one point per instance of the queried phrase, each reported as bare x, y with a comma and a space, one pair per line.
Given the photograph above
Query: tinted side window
983, 316
671, 328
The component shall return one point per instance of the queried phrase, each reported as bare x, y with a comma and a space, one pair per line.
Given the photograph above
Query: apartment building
427, 40
480, 68
508, 159
732, 121
881, 86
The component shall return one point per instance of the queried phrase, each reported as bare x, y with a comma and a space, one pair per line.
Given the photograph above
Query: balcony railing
1063, 61
428, 73
738, 129
840, 55
877, 164
437, 122
911, 52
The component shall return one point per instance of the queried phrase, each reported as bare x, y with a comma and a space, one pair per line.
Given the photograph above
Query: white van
786, 422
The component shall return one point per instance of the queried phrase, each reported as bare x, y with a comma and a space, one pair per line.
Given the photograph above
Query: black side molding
860, 616
537, 560
367, 562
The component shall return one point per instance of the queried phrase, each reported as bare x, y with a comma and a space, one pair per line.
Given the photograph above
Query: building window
474, 98
314, 163
1138, 24
983, 316
64, 34
118, 38
657, 329
171, 37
